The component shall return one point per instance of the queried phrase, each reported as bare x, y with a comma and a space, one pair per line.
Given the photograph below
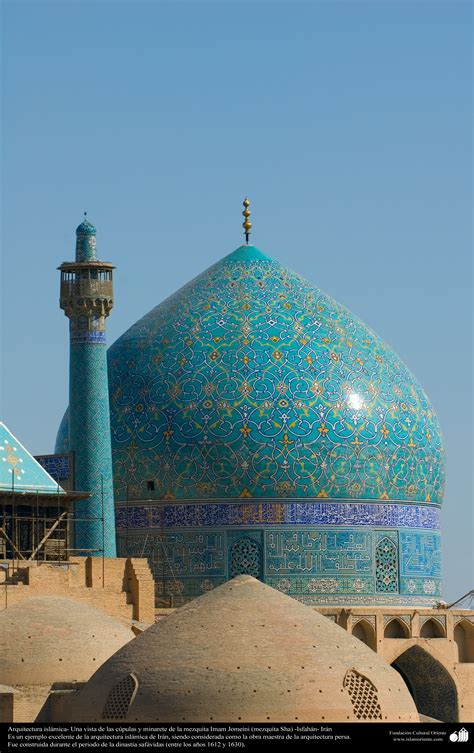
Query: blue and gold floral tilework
250, 382
258, 426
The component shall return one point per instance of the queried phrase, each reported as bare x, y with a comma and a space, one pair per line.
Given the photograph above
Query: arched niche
365, 632
464, 642
396, 629
245, 557
432, 629
432, 687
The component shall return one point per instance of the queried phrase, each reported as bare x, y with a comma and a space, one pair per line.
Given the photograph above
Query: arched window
120, 698
396, 629
363, 695
464, 641
431, 629
364, 631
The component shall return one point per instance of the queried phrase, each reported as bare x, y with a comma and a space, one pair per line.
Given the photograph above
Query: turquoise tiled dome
259, 427
86, 228
250, 382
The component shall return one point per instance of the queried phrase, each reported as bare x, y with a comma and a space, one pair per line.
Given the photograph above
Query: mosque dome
244, 652
250, 382
48, 639
259, 427
86, 228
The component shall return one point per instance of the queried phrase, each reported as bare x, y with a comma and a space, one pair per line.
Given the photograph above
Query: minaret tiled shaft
87, 299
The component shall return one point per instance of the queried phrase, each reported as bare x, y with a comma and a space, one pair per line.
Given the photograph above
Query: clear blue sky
348, 125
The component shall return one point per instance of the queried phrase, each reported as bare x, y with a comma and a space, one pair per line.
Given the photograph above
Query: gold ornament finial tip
247, 225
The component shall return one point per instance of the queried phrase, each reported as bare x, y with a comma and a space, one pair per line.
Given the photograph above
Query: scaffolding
39, 526
166, 582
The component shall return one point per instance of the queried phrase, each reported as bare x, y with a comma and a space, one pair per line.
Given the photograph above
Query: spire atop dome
247, 225
86, 241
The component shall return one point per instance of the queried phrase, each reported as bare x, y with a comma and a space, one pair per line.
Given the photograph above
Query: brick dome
244, 652
49, 639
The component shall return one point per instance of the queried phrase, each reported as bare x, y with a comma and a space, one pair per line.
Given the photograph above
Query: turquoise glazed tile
270, 431
19, 471
250, 382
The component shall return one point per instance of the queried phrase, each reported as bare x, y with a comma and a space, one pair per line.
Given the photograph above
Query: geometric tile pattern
182, 554
386, 566
319, 551
420, 554
441, 619
402, 617
90, 442
245, 558
364, 617
317, 565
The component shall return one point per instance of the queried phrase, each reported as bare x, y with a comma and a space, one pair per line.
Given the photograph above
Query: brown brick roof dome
49, 639
244, 652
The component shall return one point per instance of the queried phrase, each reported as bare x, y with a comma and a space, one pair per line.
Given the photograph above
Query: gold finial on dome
247, 225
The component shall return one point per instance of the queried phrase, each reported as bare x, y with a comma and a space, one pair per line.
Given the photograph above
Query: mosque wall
28, 701
465, 677
6, 703
122, 588
317, 565
433, 649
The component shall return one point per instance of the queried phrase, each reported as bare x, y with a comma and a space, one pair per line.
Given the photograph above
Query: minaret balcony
86, 288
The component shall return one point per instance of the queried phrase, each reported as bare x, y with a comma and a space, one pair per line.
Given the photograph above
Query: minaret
87, 299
